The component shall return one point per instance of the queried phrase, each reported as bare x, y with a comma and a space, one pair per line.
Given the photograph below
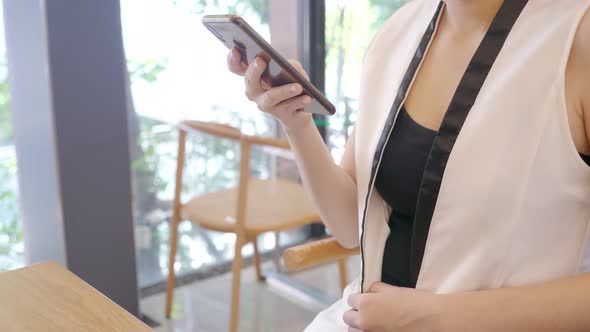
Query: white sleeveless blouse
505, 199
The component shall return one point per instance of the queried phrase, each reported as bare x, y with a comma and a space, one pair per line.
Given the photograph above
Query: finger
352, 329
354, 301
293, 104
234, 62
297, 65
379, 287
352, 319
253, 77
279, 94
266, 85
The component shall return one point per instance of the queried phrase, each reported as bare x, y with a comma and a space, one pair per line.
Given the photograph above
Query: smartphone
233, 31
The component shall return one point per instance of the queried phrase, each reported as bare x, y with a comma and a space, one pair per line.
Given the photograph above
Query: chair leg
235, 290
172, 259
259, 275
277, 253
343, 269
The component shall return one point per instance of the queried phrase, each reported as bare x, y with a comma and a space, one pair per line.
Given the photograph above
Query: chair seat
272, 205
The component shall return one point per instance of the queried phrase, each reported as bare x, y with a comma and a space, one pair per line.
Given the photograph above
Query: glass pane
350, 26
11, 238
177, 71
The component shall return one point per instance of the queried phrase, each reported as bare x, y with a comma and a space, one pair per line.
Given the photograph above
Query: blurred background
176, 71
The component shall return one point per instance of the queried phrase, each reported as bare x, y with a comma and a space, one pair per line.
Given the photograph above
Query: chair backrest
225, 131
228, 132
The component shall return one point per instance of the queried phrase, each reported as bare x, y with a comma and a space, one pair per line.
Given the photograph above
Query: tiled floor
204, 306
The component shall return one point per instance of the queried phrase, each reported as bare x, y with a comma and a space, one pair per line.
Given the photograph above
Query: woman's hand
285, 102
387, 308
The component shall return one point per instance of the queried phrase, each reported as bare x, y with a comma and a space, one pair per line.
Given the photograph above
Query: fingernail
307, 100
295, 88
230, 55
257, 63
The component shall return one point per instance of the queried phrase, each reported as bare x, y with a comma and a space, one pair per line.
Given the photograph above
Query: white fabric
514, 204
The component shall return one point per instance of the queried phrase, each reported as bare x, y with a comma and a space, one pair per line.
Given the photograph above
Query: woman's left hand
387, 308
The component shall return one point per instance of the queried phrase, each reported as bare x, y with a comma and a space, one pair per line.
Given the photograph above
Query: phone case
233, 31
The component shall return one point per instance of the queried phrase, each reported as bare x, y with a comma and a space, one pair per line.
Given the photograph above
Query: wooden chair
248, 210
319, 252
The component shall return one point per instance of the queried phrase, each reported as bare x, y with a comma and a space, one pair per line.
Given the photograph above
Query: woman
467, 180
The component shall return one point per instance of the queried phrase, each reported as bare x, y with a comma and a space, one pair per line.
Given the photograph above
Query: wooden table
47, 297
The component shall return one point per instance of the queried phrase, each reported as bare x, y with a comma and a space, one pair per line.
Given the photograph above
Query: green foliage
146, 139
212, 163
152, 135
5, 122
350, 27
11, 238
148, 70
155, 141
384, 9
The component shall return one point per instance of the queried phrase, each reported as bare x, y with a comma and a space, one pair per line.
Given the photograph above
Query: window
350, 26
11, 238
177, 71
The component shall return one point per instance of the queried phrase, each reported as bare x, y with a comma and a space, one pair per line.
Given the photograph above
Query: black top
398, 182
404, 158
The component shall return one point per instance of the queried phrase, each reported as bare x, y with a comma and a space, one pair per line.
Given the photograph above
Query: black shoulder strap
459, 108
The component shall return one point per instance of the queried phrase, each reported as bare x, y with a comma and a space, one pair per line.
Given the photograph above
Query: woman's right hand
285, 103
331, 188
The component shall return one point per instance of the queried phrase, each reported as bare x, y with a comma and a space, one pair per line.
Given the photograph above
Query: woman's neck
471, 15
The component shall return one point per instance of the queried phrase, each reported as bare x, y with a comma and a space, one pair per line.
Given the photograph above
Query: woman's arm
332, 188
559, 306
